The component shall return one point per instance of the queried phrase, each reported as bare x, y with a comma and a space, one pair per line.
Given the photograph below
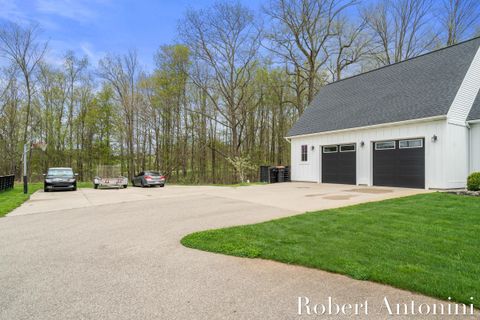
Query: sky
94, 28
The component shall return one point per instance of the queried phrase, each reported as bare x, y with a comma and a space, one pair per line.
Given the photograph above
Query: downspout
289, 140
469, 151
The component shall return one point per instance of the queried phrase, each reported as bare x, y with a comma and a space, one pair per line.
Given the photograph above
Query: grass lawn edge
205, 241
14, 198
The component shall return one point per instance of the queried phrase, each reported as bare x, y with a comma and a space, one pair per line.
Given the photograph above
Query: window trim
348, 145
382, 149
407, 140
302, 154
330, 146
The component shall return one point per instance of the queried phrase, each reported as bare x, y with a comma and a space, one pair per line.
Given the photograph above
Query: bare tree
459, 17
400, 28
122, 73
74, 68
225, 39
350, 45
301, 32
21, 46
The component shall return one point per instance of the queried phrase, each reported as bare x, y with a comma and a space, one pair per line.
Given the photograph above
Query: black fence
274, 174
6, 182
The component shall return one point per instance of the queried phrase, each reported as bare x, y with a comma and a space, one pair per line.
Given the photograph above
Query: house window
304, 153
330, 149
409, 144
385, 145
347, 148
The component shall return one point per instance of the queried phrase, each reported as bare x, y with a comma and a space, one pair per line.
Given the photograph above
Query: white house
411, 124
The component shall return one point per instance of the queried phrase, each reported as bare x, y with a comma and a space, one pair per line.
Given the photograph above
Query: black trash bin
265, 174
287, 174
280, 174
274, 174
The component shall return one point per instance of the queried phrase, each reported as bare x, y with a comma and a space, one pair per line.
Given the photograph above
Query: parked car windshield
152, 173
60, 172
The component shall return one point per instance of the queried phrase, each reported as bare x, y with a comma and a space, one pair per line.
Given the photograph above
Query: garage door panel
347, 168
346, 178
384, 167
339, 167
329, 167
328, 161
399, 167
410, 169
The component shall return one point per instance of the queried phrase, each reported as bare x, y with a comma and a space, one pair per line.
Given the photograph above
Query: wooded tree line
221, 98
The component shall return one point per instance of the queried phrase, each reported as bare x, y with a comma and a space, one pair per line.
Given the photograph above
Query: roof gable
421, 87
475, 111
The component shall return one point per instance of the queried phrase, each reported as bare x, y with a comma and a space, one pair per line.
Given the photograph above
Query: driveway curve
115, 254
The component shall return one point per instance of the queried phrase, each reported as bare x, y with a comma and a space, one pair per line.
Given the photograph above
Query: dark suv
60, 179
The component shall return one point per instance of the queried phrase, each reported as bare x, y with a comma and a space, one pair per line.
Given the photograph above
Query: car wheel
162, 185
125, 186
45, 189
74, 188
95, 186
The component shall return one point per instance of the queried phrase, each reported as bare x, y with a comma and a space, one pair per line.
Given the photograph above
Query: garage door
339, 164
399, 163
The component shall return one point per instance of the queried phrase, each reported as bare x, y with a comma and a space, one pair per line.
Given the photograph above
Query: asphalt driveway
115, 254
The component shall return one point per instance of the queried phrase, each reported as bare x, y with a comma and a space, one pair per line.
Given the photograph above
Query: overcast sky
95, 27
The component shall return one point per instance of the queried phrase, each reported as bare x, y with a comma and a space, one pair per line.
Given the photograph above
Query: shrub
473, 182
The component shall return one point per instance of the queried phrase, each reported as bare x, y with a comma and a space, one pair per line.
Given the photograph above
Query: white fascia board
389, 124
457, 123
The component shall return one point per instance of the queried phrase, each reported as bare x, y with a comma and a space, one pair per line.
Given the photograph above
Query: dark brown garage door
399, 163
339, 164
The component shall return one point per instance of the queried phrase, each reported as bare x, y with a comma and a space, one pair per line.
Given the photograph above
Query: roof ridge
406, 60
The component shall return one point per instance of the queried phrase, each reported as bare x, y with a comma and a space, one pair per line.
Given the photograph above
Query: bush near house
473, 182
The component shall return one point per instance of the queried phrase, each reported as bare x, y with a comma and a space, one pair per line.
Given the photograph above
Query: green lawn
426, 243
87, 185
12, 199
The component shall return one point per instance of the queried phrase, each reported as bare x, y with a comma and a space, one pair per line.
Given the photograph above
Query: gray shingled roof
421, 87
475, 112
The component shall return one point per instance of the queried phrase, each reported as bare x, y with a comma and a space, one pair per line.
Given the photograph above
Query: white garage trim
400, 123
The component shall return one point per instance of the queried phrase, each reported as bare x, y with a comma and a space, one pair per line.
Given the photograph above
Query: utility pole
25, 179
26, 147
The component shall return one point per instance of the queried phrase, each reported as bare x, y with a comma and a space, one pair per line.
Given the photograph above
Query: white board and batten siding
458, 158
475, 147
435, 164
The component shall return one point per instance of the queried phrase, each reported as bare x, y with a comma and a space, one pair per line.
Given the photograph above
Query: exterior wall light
362, 143
313, 148
434, 138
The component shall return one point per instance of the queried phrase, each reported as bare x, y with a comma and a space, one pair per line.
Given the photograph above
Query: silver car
149, 179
